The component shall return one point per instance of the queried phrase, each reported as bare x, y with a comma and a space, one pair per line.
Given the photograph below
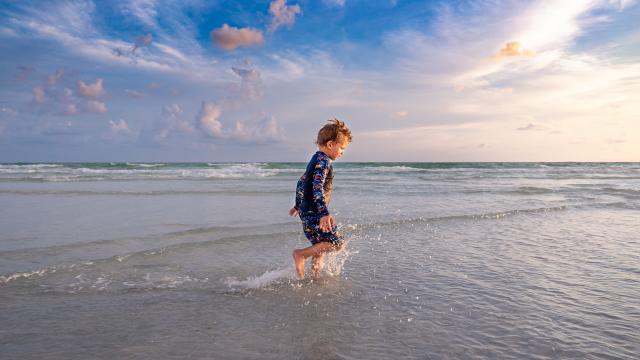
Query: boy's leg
300, 255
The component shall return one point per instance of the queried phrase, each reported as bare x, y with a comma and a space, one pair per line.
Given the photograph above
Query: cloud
135, 93
335, 3
250, 87
282, 15
229, 38
119, 128
8, 112
171, 124
314, 63
513, 49
142, 41
91, 91
53, 78
23, 72
532, 127
175, 53
95, 106
68, 110
133, 54
144, 10
39, 95
401, 114
264, 131
208, 121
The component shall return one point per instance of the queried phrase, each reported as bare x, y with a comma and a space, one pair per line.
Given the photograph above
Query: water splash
334, 261
261, 281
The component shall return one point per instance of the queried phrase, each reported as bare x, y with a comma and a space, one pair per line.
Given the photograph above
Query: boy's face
336, 148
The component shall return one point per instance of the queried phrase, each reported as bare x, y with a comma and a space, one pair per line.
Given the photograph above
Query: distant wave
142, 193
43, 172
136, 171
145, 165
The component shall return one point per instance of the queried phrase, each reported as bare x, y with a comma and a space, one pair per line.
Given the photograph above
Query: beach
442, 261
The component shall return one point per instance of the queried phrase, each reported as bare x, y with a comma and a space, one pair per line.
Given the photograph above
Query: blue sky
151, 80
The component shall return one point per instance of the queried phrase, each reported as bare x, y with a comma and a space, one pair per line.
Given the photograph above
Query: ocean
443, 261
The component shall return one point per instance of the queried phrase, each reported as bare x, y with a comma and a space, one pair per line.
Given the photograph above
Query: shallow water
444, 261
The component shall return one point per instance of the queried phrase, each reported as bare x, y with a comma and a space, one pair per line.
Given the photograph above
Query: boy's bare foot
298, 260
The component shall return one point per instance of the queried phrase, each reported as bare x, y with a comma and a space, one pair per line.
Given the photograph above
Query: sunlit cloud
263, 131
119, 127
133, 53
39, 95
170, 125
95, 106
54, 78
135, 93
513, 49
282, 14
91, 91
68, 110
229, 37
250, 87
208, 120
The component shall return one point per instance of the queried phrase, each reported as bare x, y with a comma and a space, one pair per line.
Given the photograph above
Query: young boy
313, 194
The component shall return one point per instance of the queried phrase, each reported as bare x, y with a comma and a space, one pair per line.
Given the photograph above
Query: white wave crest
145, 165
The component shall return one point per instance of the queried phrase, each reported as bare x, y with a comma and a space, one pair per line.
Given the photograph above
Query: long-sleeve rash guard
313, 191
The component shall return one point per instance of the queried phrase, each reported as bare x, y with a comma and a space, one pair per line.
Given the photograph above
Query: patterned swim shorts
311, 228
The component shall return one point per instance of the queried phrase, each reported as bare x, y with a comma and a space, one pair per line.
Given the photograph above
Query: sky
218, 81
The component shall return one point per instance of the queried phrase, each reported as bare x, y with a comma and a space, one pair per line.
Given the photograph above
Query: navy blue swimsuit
313, 194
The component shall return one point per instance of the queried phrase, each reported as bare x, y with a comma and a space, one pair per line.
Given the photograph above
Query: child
313, 194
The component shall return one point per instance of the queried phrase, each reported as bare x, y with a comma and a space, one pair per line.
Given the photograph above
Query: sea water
443, 261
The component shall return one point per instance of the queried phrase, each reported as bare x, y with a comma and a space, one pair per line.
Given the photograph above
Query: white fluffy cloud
208, 120
263, 131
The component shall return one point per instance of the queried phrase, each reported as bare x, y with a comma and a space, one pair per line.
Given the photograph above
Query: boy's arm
319, 176
299, 196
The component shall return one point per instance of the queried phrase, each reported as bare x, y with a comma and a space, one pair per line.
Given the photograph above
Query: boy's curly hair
333, 131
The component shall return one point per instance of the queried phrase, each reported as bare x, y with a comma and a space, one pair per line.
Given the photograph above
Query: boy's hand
327, 223
293, 211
